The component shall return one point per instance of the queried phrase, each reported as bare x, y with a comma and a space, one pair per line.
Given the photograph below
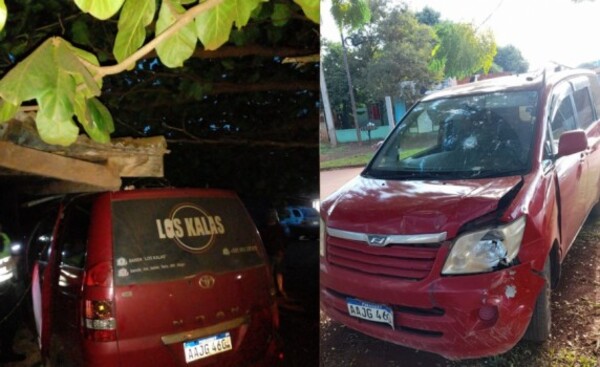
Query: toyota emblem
206, 281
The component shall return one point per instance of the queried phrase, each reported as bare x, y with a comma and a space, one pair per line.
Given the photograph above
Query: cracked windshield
470, 136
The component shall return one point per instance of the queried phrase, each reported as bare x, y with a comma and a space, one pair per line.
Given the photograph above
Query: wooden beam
35, 162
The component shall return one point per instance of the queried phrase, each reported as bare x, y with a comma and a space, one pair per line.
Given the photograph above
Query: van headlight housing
482, 251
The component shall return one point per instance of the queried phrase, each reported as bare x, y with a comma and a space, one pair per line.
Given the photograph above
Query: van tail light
100, 275
99, 323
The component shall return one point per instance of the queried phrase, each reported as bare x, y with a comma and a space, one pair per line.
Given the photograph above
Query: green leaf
101, 115
179, 46
31, 77
134, 18
310, 9
60, 132
81, 32
100, 9
54, 119
7, 111
243, 10
57, 103
99, 123
213, 26
67, 57
186, 2
3, 14
281, 15
249, 34
56, 78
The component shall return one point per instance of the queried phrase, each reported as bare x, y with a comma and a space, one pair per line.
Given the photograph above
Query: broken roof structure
86, 166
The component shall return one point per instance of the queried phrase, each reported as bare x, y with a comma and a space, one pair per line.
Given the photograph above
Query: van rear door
191, 283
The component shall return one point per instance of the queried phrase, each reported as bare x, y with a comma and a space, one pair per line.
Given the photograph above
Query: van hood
388, 207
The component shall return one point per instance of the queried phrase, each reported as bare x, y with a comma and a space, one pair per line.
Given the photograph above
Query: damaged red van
452, 237
154, 277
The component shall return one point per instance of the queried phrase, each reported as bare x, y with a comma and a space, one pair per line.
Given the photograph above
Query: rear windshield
158, 240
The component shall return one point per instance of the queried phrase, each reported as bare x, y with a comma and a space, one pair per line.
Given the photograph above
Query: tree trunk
351, 90
327, 109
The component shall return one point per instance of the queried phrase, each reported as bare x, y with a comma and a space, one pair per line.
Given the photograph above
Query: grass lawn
352, 155
346, 155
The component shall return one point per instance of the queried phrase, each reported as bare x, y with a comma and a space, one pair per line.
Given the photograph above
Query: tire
541, 320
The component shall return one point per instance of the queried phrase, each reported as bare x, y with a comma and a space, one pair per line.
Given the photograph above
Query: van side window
583, 104
562, 113
563, 119
73, 242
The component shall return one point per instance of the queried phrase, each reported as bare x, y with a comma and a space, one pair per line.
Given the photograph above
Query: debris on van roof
84, 166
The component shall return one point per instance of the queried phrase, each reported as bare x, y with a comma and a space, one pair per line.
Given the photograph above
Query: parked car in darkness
453, 236
300, 221
153, 277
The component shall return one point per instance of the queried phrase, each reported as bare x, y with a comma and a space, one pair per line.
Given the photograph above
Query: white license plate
370, 311
202, 348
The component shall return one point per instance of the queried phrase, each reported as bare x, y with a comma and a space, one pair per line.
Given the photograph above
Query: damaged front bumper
458, 317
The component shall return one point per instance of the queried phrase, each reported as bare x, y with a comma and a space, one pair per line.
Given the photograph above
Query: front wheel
541, 320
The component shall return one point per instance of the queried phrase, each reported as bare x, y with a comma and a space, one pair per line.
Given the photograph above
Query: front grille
411, 262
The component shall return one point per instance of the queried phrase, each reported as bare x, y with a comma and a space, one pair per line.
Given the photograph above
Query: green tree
390, 58
350, 15
65, 81
509, 58
337, 80
400, 56
428, 16
462, 50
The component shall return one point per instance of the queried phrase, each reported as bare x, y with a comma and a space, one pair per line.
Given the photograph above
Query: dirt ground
575, 340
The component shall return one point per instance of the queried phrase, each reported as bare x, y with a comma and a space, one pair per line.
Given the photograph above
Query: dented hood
376, 206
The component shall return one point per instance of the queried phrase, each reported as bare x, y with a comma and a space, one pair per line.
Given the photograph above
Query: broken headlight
482, 251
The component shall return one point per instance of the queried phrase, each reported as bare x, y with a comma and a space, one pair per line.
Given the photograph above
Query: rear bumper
449, 316
108, 354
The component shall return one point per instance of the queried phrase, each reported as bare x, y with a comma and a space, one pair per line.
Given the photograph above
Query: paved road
334, 179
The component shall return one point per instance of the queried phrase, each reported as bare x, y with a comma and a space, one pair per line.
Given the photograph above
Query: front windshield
484, 135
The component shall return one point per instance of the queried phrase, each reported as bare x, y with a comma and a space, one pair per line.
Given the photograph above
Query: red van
153, 277
452, 237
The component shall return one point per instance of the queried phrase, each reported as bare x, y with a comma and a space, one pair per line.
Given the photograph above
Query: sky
544, 31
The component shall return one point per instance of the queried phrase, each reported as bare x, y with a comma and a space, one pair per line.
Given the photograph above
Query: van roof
528, 81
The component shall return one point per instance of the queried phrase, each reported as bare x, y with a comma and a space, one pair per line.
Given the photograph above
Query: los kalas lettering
189, 227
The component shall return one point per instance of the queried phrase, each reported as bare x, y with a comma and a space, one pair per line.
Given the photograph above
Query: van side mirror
572, 142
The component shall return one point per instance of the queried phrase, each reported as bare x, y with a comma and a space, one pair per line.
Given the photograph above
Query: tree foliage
350, 14
428, 16
240, 117
65, 81
509, 58
401, 54
392, 49
462, 50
